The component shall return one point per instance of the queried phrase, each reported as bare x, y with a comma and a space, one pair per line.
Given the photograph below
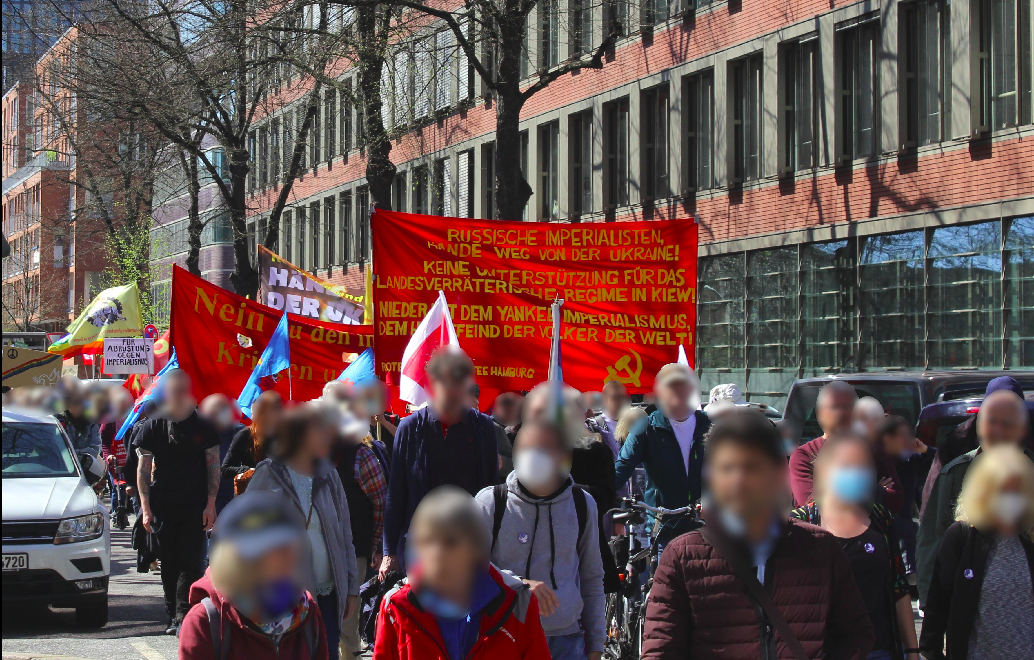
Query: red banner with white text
219, 336
629, 291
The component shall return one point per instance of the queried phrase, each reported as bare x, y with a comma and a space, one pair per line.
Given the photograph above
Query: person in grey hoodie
298, 468
548, 535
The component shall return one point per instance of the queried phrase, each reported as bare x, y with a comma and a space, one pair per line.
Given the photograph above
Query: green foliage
129, 260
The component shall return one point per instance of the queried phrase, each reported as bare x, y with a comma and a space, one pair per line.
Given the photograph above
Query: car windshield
897, 397
36, 450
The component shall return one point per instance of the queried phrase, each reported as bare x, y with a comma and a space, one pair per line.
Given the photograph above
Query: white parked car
56, 544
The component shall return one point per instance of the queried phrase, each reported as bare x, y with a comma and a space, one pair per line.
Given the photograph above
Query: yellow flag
114, 313
368, 303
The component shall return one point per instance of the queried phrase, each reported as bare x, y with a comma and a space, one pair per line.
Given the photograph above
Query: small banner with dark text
284, 285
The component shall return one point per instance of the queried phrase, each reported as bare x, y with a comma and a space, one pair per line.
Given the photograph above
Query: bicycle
626, 608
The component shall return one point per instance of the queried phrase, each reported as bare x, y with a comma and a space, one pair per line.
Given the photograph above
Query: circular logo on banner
150, 332
870, 548
968, 573
522, 538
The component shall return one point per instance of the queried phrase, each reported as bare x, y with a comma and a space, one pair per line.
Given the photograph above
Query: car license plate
16, 561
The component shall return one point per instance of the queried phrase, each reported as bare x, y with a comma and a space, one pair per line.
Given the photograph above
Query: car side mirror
93, 468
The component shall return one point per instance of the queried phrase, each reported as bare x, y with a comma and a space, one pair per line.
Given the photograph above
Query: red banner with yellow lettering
219, 336
629, 291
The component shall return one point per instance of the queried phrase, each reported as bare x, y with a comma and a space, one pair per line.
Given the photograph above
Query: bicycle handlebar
631, 505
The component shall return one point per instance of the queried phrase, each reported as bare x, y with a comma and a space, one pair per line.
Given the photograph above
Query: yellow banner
114, 313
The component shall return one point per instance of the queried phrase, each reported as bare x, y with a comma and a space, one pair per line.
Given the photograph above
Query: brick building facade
862, 172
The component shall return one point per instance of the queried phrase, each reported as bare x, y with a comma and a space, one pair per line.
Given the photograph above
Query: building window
330, 121
287, 143
330, 231
828, 297
442, 187
549, 154
772, 309
301, 216
799, 107
443, 69
720, 317
275, 157
1019, 292
362, 218
965, 296
252, 178
859, 50
746, 118
346, 117
926, 72
315, 251
579, 154
615, 16
581, 27
654, 12
698, 114
615, 148
525, 172
464, 180
263, 156
549, 33
654, 132
420, 189
488, 180
299, 125
344, 203
891, 273
315, 138
286, 238
420, 79
1003, 52
398, 192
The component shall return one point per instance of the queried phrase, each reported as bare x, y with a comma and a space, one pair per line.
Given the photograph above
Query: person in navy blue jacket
669, 444
445, 443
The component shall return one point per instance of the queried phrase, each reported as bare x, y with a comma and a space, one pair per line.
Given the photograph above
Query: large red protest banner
219, 336
629, 292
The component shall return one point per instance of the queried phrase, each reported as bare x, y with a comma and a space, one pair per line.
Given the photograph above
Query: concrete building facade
862, 172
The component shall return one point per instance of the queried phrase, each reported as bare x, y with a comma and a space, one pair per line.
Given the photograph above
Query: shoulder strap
580, 508
757, 593
215, 629
499, 497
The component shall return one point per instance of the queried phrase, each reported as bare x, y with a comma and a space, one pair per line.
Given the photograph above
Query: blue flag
360, 372
150, 394
274, 359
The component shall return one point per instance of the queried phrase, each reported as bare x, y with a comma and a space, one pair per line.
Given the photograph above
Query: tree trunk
512, 191
244, 277
189, 164
380, 171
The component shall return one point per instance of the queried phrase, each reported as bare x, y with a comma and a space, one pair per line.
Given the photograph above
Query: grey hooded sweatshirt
538, 540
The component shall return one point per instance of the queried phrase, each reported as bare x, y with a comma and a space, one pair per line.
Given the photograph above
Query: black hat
257, 522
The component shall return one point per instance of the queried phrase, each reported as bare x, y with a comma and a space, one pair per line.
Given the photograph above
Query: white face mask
1009, 507
535, 468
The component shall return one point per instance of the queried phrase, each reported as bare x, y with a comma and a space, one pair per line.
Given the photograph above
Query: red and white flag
435, 331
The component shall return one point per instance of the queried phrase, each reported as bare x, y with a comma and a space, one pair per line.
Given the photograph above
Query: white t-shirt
684, 434
322, 575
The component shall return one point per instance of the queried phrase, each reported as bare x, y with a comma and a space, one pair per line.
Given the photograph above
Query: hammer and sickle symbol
623, 366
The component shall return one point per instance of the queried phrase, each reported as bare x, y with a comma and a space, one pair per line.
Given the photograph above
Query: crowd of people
486, 536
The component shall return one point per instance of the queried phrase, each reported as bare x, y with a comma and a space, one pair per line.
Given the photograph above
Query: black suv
903, 393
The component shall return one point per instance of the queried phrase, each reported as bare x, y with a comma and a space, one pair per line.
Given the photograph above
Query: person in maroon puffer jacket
699, 608
250, 603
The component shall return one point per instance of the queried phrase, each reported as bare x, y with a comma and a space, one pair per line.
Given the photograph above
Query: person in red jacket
250, 603
705, 600
454, 603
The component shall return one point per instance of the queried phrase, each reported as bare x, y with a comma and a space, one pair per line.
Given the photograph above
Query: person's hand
886, 483
130, 491
920, 447
375, 559
208, 517
147, 519
388, 563
112, 461
351, 603
548, 602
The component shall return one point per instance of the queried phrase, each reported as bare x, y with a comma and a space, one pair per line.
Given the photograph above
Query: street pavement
136, 622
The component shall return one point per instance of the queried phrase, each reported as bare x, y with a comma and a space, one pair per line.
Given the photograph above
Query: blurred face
541, 462
373, 398
217, 410
271, 417
864, 423
834, 411
446, 560
673, 397
615, 400
745, 482
1002, 420
507, 409
848, 475
317, 440
535, 407
121, 404
451, 397
278, 564
177, 398
900, 443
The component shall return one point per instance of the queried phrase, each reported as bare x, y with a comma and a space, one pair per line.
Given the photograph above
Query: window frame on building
858, 57
799, 66
698, 115
580, 172
746, 110
924, 63
654, 132
997, 28
548, 171
616, 118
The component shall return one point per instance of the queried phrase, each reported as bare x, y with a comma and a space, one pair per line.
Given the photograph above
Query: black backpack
220, 632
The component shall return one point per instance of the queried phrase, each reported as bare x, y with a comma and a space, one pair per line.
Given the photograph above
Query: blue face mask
275, 599
440, 607
853, 484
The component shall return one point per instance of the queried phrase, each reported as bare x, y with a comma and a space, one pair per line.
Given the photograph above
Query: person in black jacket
225, 416
250, 446
981, 595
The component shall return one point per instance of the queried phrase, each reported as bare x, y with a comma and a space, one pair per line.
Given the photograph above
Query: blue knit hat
1004, 383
